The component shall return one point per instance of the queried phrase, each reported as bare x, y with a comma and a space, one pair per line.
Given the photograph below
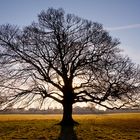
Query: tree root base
68, 123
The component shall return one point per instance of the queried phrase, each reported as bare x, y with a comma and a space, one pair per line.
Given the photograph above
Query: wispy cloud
132, 26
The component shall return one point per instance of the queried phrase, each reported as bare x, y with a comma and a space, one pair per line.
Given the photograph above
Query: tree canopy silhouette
68, 59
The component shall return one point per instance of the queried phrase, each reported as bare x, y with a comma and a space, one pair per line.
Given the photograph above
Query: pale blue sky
120, 17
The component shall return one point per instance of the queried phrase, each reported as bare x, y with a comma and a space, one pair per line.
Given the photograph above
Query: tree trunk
67, 119
67, 114
68, 101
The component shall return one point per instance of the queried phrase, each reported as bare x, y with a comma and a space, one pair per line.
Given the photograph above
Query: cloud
132, 26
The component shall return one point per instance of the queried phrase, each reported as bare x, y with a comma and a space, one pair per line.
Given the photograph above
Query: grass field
123, 126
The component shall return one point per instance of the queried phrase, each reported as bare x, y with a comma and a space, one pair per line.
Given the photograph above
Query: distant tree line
76, 110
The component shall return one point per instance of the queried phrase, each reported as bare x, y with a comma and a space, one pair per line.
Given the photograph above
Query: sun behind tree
45, 59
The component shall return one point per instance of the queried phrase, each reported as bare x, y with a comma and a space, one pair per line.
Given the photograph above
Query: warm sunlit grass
123, 126
28, 117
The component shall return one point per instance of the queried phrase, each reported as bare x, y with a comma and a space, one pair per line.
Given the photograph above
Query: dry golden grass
27, 117
123, 126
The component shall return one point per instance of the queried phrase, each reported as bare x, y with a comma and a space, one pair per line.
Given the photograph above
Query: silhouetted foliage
68, 59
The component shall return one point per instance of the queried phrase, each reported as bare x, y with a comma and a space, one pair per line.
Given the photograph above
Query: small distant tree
67, 59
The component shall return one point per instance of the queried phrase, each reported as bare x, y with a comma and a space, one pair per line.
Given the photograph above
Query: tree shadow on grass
67, 133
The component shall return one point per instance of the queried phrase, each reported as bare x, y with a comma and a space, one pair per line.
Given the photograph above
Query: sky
120, 17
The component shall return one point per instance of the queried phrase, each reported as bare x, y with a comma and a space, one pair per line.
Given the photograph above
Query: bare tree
117, 83
67, 59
